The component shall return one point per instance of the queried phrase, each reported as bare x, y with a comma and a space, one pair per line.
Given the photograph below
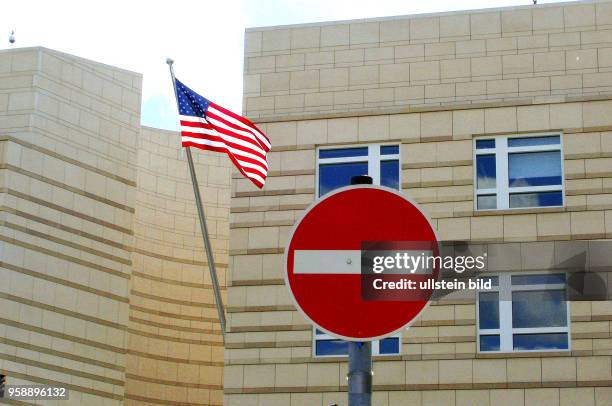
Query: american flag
206, 125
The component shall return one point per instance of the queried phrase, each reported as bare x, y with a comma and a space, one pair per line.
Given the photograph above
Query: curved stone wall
104, 284
68, 139
175, 348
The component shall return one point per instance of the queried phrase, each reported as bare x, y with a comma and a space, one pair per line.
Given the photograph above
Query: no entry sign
335, 275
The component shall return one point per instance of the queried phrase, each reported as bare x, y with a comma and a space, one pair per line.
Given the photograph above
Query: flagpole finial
169, 61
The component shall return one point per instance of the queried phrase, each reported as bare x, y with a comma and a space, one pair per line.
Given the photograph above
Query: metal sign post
360, 373
360, 353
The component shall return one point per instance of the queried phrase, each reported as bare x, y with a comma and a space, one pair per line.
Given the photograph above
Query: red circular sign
320, 261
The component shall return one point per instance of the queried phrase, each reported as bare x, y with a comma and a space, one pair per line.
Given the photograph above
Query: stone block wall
175, 349
431, 84
513, 54
68, 136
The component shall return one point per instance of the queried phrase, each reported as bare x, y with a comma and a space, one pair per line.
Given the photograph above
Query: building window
336, 166
524, 312
327, 346
512, 172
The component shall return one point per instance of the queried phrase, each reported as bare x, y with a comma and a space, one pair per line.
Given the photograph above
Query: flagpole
204, 229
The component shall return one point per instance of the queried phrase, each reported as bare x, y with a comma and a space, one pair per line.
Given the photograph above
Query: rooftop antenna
12, 37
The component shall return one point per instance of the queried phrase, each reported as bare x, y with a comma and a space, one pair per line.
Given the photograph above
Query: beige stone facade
175, 349
430, 84
104, 286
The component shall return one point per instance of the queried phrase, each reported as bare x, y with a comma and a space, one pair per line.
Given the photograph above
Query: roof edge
423, 15
67, 55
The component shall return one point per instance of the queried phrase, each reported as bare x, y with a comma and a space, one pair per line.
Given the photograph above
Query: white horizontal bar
348, 262
329, 262
485, 151
344, 160
540, 330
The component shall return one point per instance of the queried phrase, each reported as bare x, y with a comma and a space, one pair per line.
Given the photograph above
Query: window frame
375, 345
502, 189
505, 330
374, 158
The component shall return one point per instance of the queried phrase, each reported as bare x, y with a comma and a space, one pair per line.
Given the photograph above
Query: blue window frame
512, 172
336, 166
524, 312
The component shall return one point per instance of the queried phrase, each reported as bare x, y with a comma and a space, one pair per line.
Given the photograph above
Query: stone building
103, 280
498, 122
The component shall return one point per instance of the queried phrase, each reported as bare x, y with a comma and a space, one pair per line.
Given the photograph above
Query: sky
205, 38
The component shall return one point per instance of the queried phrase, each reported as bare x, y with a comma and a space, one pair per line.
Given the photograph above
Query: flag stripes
208, 126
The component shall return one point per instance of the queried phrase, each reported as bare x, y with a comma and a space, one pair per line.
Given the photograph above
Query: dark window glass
343, 152
534, 169
484, 144
488, 310
536, 199
533, 141
485, 171
389, 174
489, 343
544, 341
541, 279
486, 202
539, 308
389, 149
333, 176
331, 347
389, 346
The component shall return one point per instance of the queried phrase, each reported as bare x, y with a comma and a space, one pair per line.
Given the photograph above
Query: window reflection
488, 314
343, 152
537, 199
489, 342
389, 174
529, 168
547, 341
485, 171
533, 141
534, 169
487, 202
331, 347
333, 176
538, 308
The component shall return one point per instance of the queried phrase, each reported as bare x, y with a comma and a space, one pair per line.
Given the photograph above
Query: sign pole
360, 373
203, 228
360, 353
